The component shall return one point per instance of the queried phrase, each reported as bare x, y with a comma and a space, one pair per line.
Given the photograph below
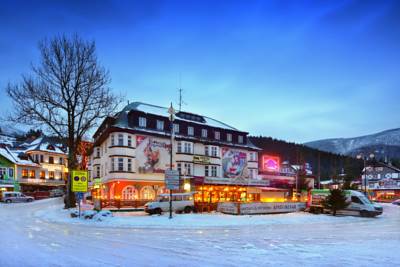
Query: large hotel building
132, 151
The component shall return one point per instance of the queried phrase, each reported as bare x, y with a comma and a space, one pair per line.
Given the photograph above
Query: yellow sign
201, 159
79, 181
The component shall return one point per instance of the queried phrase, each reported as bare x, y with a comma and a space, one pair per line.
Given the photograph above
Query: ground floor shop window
42, 175
129, 193
147, 193
32, 174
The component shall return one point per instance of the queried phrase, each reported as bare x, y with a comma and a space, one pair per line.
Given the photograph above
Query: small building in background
383, 181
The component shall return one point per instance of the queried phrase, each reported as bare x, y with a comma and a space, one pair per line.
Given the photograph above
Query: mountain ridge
388, 139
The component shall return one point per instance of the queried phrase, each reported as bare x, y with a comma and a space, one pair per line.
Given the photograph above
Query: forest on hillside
328, 165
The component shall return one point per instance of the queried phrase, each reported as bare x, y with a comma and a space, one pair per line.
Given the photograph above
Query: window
217, 135
214, 171
188, 148
253, 156
129, 140
97, 152
252, 173
120, 164
207, 171
179, 147
61, 161
41, 159
188, 169
112, 140
204, 133
51, 160
206, 151
97, 171
147, 192
190, 130
129, 165
240, 139
10, 173
37, 158
176, 128
24, 173
32, 174
142, 122
42, 175
179, 167
112, 164
229, 137
129, 193
355, 199
160, 125
120, 139
214, 151
51, 175
2, 173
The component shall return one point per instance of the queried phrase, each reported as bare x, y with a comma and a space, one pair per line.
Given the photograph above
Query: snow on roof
12, 155
122, 118
43, 143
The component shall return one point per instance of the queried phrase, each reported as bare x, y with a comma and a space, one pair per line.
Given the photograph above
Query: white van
359, 205
181, 202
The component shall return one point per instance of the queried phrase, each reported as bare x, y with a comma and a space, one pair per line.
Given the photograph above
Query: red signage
270, 163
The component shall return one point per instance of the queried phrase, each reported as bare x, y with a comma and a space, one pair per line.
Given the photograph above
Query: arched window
147, 192
129, 193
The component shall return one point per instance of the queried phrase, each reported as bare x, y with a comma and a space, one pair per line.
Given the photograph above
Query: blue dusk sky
293, 70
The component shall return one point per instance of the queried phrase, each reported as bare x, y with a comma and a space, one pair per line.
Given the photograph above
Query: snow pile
185, 221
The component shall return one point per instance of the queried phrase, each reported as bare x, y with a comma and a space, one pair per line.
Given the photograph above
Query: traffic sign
79, 195
79, 181
172, 179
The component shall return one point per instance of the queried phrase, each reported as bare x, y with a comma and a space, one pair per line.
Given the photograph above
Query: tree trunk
334, 212
70, 201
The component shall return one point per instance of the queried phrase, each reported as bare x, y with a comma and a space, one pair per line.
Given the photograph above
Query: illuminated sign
79, 181
270, 163
201, 159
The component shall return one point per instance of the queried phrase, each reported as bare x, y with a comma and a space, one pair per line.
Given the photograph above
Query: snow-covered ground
42, 234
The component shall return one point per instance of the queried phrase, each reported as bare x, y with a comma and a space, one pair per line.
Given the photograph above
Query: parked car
396, 202
181, 202
359, 205
9, 197
56, 193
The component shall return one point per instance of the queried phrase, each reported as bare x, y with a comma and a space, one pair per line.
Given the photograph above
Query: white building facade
132, 151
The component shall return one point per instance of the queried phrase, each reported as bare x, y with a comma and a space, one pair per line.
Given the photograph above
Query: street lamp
365, 158
171, 112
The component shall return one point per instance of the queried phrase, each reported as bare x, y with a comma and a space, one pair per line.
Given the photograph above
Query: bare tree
67, 93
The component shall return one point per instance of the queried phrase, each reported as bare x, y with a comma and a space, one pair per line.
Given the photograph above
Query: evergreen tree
335, 201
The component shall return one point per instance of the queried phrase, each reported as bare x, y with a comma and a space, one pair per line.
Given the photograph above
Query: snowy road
292, 240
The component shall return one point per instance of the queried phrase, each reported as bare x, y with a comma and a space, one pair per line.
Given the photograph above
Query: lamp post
171, 112
365, 158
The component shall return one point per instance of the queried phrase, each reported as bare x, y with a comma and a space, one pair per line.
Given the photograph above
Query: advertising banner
152, 154
234, 163
260, 207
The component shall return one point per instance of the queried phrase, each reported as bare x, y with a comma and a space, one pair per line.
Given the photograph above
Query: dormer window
50, 147
160, 125
142, 122
204, 133
229, 137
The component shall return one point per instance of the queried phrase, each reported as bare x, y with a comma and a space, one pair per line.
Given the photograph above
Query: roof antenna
181, 102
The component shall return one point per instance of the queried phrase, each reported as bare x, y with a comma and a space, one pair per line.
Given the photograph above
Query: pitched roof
13, 156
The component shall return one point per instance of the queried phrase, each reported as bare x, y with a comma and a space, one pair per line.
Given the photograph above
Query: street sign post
79, 197
172, 179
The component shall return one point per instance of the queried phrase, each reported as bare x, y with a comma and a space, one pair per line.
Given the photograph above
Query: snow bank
55, 213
